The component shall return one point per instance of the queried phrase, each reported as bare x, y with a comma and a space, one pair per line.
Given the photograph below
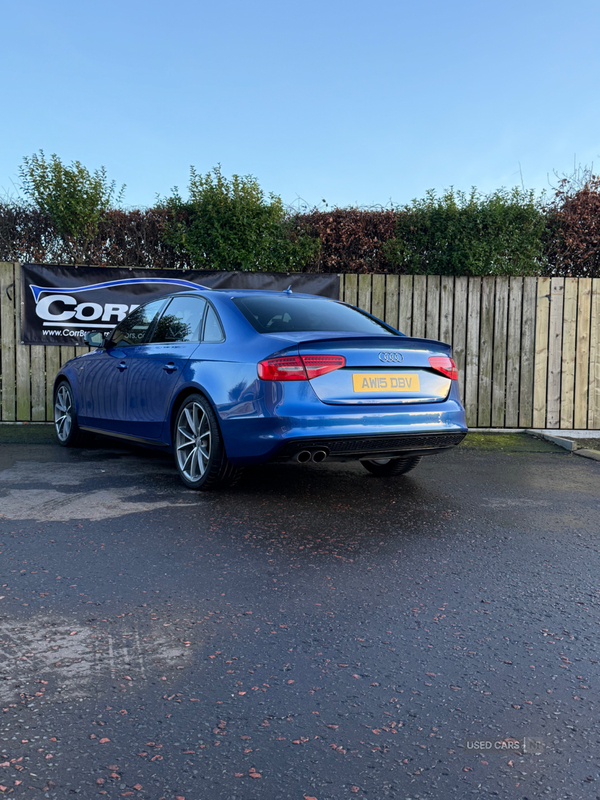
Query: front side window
133, 329
181, 321
291, 314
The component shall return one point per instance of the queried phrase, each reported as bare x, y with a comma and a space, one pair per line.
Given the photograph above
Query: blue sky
354, 103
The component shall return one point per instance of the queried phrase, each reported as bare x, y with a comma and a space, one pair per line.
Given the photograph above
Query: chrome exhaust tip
318, 456
303, 457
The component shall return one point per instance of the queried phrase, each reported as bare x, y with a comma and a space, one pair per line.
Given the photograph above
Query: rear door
380, 370
155, 368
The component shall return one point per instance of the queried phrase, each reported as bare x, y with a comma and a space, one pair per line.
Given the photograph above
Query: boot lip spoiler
401, 342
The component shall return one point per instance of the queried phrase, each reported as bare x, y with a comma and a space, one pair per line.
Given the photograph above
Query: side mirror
94, 338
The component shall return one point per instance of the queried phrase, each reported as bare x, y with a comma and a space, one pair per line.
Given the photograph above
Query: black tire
67, 429
388, 467
199, 451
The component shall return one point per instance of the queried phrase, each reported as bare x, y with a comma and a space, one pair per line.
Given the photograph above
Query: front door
105, 373
103, 390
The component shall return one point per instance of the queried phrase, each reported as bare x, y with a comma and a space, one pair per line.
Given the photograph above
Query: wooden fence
527, 349
27, 372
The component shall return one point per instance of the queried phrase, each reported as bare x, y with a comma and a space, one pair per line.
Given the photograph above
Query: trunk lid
380, 370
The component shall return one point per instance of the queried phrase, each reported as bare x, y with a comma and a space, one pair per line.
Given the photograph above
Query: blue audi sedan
225, 378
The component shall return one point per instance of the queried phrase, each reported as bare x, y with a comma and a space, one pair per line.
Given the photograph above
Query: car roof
251, 293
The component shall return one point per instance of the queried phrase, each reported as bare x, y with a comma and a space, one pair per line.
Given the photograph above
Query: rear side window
213, 332
294, 314
180, 321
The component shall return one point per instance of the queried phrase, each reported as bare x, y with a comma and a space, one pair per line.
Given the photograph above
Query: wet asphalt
315, 632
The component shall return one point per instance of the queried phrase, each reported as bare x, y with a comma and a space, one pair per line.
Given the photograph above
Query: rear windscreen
294, 314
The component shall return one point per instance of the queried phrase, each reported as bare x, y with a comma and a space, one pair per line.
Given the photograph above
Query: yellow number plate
391, 382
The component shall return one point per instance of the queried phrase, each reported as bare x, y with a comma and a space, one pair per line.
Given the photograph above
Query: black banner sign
60, 304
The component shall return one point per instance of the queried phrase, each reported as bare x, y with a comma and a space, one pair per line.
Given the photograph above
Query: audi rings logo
391, 358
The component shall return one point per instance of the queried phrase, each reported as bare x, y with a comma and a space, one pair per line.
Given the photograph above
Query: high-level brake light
445, 365
298, 368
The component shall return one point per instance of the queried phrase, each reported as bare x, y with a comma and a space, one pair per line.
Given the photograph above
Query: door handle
170, 367
122, 366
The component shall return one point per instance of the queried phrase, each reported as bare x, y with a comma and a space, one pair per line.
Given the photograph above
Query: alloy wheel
193, 441
63, 412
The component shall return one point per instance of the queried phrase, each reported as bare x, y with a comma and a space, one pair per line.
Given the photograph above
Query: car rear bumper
346, 432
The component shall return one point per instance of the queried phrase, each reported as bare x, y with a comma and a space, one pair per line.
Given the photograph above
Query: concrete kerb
554, 438
586, 452
568, 444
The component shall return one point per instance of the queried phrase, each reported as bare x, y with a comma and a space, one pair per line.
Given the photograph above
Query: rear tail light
286, 368
445, 365
320, 365
298, 368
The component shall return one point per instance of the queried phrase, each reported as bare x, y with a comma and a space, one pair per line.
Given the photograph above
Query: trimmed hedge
352, 240
460, 234
124, 239
572, 235
230, 225
504, 233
